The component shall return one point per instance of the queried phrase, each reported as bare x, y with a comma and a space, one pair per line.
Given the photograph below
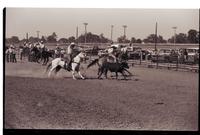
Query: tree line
192, 36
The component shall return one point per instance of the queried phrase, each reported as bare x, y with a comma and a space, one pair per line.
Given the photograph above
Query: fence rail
169, 66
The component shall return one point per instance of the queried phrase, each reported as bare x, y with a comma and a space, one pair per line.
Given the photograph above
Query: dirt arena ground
152, 99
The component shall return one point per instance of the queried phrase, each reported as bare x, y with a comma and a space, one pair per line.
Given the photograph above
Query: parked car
165, 55
193, 55
136, 54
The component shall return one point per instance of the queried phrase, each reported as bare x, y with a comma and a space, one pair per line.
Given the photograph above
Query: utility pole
27, 36
111, 32
38, 34
85, 30
174, 34
156, 45
124, 26
156, 37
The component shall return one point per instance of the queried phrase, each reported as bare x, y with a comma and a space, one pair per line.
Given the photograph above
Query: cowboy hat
72, 43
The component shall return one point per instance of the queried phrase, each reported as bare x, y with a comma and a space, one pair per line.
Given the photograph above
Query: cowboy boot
65, 66
69, 66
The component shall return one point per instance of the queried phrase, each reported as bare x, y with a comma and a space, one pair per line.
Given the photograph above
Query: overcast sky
140, 22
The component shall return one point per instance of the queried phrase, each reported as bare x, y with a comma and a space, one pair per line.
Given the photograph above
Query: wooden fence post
177, 61
156, 61
140, 57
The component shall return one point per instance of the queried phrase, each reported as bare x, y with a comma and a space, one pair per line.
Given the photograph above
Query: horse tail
93, 62
48, 67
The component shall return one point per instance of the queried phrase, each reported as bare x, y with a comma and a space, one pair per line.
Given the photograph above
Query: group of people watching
11, 54
39, 45
23, 50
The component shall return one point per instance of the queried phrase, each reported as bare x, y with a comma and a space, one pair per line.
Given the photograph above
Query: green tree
198, 37
123, 39
12, 40
181, 38
44, 39
133, 40
71, 39
138, 41
52, 38
33, 39
193, 36
103, 39
63, 40
93, 38
151, 39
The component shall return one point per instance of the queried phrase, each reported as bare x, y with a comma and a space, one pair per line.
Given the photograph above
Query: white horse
58, 63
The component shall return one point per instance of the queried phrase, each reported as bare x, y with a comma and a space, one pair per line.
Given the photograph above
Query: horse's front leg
43, 62
73, 75
81, 75
49, 74
123, 73
37, 59
116, 75
105, 73
47, 60
100, 72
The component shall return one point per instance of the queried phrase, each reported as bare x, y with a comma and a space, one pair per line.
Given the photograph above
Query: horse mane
76, 53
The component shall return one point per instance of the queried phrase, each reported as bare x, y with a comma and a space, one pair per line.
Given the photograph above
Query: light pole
174, 34
156, 36
124, 26
38, 34
111, 32
27, 36
85, 30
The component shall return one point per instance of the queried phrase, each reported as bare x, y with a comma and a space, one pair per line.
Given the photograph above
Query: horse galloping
45, 56
58, 63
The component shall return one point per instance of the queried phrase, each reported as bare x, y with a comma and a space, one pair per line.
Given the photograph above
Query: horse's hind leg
116, 75
123, 73
47, 60
73, 75
100, 73
57, 69
105, 73
49, 74
81, 75
43, 62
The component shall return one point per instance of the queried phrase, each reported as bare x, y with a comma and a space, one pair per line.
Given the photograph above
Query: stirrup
68, 68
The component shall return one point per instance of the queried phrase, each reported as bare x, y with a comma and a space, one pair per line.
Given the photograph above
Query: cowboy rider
70, 52
111, 52
42, 46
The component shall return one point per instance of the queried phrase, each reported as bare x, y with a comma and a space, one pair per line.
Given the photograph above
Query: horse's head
125, 65
82, 54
